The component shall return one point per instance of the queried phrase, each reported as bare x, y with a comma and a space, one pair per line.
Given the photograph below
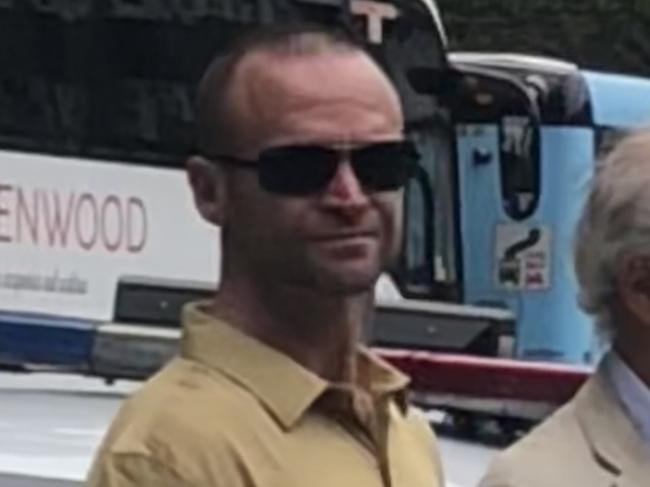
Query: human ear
208, 188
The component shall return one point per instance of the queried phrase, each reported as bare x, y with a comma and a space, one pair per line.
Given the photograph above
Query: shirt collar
631, 392
286, 388
381, 378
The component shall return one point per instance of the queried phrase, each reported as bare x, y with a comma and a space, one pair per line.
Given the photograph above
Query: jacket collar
609, 432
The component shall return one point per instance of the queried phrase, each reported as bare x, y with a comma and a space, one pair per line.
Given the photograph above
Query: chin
347, 283
340, 277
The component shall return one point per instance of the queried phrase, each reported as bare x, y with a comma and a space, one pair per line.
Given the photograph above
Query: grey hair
614, 223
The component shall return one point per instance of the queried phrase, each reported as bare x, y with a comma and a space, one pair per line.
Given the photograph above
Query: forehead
274, 92
351, 72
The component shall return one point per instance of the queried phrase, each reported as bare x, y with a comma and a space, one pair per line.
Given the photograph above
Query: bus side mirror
519, 140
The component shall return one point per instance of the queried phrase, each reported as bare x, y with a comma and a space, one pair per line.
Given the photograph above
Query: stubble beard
282, 264
332, 279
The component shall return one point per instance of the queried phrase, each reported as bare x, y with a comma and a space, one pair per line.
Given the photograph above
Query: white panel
69, 229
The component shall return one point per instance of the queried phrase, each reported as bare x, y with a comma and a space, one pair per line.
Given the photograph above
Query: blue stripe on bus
45, 340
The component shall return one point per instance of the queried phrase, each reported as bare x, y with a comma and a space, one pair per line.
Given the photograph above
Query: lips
343, 236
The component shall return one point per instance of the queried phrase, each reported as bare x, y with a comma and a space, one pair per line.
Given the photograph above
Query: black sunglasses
300, 170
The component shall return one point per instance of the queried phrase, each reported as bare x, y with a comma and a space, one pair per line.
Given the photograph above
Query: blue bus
516, 153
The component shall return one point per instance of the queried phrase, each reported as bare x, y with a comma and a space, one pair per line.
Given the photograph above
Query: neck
320, 332
634, 349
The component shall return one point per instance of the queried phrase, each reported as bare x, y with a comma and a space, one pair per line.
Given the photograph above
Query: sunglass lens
296, 170
386, 166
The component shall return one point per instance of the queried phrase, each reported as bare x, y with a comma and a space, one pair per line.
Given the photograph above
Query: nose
344, 193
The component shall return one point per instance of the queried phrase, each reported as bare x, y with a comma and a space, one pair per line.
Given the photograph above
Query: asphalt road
51, 424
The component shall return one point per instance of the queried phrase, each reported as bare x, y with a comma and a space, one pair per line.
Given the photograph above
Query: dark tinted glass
305, 169
115, 79
297, 170
385, 166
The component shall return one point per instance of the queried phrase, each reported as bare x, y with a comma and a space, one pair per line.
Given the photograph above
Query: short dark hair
215, 131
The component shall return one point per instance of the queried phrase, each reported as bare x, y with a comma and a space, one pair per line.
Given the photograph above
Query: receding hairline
216, 114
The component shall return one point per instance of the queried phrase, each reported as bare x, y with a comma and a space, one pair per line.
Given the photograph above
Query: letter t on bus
376, 13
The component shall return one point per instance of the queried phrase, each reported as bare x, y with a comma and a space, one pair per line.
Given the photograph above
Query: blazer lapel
616, 445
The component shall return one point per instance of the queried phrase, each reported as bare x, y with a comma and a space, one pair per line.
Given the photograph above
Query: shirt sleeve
133, 470
437, 456
435, 449
428, 435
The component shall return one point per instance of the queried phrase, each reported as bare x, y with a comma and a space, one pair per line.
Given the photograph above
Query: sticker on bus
523, 257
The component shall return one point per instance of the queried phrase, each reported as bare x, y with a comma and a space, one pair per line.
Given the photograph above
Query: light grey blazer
588, 442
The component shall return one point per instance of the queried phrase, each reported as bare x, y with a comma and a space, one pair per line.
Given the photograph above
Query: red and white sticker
523, 257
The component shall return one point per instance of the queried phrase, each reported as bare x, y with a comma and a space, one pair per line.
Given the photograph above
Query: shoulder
131, 470
182, 414
426, 440
187, 396
551, 454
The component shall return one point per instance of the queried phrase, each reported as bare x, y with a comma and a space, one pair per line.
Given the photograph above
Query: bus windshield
115, 79
113, 82
429, 266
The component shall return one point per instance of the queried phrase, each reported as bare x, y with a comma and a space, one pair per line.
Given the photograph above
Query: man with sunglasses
302, 164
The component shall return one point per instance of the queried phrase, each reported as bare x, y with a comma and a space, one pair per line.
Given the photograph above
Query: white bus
96, 118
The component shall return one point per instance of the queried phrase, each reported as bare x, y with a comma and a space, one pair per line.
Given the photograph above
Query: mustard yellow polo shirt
232, 412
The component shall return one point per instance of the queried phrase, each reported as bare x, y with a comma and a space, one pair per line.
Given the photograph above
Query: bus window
429, 261
520, 166
115, 80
